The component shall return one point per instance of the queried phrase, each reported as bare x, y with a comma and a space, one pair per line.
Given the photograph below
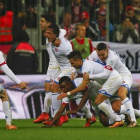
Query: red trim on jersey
108, 67
64, 103
2, 63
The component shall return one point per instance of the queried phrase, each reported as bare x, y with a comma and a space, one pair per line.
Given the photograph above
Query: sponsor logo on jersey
111, 63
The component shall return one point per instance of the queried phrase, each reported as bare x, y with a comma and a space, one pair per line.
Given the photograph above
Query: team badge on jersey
108, 67
58, 78
56, 49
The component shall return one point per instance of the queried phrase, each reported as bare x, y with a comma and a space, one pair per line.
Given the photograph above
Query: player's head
75, 59
52, 32
45, 21
66, 84
102, 51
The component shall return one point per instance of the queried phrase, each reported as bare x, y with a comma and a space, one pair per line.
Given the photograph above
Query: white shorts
52, 74
64, 73
127, 81
111, 86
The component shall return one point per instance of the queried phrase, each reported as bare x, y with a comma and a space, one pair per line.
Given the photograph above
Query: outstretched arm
58, 115
76, 90
82, 102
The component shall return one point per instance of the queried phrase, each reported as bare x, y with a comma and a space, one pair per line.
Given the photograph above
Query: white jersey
114, 60
109, 78
53, 64
61, 53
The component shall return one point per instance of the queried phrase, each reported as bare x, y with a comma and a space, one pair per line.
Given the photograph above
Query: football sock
137, 112
7, 111
55, 103
106, 108
128, 105
47, 101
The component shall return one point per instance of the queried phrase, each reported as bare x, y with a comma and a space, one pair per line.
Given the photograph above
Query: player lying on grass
65, 85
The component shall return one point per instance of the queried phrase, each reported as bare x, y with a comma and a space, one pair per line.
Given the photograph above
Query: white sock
123, 111
87, 112
55, 103
111, 121
7, 111
128, 105
122, 116
47, 101
85, 109
137, 112
106, 108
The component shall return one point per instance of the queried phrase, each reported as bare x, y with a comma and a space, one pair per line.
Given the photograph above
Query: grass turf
72, 130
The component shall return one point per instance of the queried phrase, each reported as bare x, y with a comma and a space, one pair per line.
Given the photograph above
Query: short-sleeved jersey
52, 62
96, 67
114, 60
61, 53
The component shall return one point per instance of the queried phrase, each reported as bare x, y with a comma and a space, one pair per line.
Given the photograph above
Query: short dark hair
55, 29
23, 36
101, 46
48, 18
64, 79
75, 55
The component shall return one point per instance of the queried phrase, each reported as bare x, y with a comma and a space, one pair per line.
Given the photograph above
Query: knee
116, 105
96, 102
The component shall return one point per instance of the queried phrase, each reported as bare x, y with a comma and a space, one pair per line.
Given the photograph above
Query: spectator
66, 24
126, 32
8, 28
101, 5
136, 6
29, 18
130, 13
22, 58
101, 21
80, 42
76, 8
92, 29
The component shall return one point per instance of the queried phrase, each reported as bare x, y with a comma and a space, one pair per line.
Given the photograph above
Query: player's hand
57, 42
72, 76
23, 85
71, 112
86, 76
61, 96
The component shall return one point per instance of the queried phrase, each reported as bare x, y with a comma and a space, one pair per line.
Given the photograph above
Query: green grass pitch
72, 130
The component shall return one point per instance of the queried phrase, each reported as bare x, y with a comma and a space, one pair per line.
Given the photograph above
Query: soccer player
52, 72
110, 83
4, 95
111, 58
66, 84
60, 53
